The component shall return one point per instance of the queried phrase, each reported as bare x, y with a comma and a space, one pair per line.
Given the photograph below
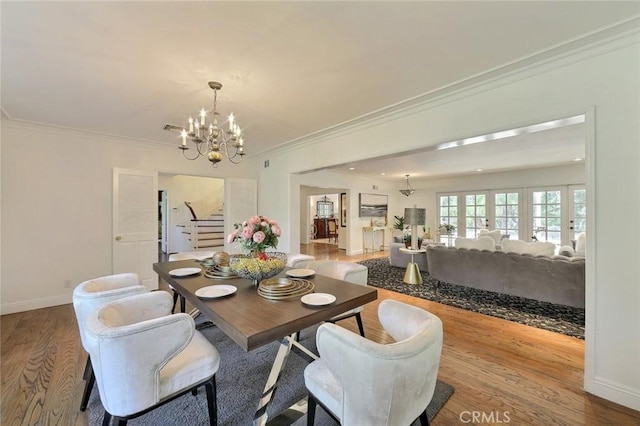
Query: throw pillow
581, 244
566, 251
482, 243
537, 248
495, 234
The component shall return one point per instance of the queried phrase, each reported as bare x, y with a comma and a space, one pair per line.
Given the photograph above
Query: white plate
318, 299
184, 272
299, 273
215, 291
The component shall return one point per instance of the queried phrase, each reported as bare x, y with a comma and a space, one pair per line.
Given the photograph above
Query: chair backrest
90, 295
398, 379
340, 270
299, 260
332, 226
130, 340
185, 255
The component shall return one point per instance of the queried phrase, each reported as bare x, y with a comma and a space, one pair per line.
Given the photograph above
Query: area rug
240, 381
548, 316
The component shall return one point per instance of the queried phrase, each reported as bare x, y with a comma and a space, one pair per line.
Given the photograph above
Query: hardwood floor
503, 372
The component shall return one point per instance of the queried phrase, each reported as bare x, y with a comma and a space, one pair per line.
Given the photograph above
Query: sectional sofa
553, 279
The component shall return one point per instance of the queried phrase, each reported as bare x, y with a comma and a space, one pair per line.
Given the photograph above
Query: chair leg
424, 420
183, 304
175, 301
120, 421
87, 368
211, 401
360, 326
88, 386
311, 410
106, 419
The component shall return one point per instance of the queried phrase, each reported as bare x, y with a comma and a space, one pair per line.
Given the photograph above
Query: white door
135, 223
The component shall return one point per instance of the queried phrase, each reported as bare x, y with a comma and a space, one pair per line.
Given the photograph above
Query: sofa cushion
495, 234
566, 251
482, 243
581, 243
536, 248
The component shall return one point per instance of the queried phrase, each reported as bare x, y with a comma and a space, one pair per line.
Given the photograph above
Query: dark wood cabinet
322, 227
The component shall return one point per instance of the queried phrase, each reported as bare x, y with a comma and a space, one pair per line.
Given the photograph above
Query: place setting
220, 272
215, 291
184, 272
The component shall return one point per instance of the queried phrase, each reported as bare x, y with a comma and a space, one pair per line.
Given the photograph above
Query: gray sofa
556, 279
400, 260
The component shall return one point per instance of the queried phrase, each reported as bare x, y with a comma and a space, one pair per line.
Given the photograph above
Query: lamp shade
415, 216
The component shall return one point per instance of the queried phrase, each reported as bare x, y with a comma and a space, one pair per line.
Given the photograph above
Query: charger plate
284, 288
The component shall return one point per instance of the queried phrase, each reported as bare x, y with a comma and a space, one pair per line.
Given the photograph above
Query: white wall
56, 206
603, 83
206, 196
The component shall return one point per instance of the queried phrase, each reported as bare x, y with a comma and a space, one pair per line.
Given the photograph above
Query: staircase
206, 233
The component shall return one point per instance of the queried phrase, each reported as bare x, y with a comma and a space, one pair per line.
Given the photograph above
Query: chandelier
407, 190
210, 140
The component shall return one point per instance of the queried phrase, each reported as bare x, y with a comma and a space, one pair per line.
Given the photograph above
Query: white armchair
144, 357
360, 382
299, 260
186, 255
90, 295
346, 271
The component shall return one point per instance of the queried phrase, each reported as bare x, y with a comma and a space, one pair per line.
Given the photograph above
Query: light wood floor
509, 372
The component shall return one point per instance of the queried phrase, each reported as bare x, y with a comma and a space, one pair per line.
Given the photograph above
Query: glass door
507, 213
578, 212
547, 215
475, 210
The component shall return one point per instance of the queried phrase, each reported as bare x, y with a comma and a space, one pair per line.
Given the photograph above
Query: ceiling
288, 69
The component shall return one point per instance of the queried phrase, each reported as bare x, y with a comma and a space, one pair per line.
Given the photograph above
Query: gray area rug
548, 316
240, 381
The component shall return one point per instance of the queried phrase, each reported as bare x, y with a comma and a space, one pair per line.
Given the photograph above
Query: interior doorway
162, 221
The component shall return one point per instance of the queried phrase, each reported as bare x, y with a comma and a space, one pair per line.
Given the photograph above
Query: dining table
252, 320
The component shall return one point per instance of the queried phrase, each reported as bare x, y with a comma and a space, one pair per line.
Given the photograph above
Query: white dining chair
299, 260
345, 271
360, 382
186, 255
92, 294
144, 356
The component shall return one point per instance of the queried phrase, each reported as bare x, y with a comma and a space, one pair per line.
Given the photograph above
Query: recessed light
382, 174
478, 170
577, 159
352, 168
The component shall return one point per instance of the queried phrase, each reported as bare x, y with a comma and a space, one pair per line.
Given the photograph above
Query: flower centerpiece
255, 235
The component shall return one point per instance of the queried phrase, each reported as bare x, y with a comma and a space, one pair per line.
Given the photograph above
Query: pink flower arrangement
256, 234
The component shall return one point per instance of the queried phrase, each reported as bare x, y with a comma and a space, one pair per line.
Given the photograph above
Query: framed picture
373, 205
343, 209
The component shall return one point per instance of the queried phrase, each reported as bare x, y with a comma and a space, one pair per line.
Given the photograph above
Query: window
578, 209
507, 213
547, 216
448, 213
475, 207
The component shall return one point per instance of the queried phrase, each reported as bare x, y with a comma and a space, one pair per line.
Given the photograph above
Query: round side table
412, 274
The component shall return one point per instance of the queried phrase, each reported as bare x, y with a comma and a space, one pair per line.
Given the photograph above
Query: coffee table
253, 321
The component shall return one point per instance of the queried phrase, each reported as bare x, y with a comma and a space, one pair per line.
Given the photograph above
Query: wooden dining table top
252, 320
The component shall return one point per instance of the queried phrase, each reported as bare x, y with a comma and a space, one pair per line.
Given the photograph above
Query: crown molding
599, 42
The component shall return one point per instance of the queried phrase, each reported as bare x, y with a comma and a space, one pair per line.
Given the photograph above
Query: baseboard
29, 305
615, 392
